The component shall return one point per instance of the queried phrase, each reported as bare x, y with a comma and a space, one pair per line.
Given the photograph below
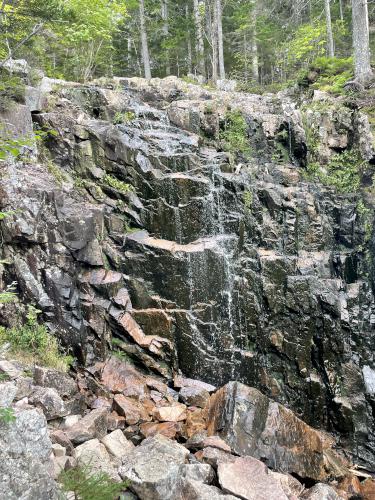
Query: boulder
249, 479
117, 444
93, 425
122, 377
133, 411
170, 413
9, 369
49, 401
61, 382
254, 425
321, 492
153, 467
25, 467
195, 490
194, 396
214, 456
8, 391
203, 473
368, 489
93, 454
167, 429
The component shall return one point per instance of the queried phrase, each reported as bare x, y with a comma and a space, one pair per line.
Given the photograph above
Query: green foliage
234, 134
88, 485
7, 415
328, 74
32, 342
124, 117
343, 171
9, 294
12, 89
247, 199
115, 183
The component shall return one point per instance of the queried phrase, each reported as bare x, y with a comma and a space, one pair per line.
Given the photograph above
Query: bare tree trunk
190, 52
144, 43
361, 40
331, 48
341, 10
199, 32
165, 17
220, 41
212, 19
254, 45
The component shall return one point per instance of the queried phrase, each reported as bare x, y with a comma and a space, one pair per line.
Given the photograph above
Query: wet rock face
227, 272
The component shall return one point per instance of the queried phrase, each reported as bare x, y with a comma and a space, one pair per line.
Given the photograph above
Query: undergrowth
31, 342
328, 74
234, 134
87, 485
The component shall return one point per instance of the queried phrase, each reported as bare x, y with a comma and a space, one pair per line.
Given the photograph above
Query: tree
198, 8
331, 49
220, 42
144, 42
361, 40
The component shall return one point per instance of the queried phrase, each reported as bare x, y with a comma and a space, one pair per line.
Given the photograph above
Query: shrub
234, 135
87, 485
31, 342
328, 74
12, 89
343, 171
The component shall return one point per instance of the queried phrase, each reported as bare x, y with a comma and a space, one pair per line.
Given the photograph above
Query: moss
247, 197
123, 117
118, 185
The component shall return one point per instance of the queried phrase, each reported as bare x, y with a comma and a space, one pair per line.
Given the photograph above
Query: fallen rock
214, 456
133, 411
49, 401
195, 422
153, 467
203, 473
9, 369
8, 391
195, 490
61, 382
117, 444
321, 492
25, 466
59, 437
93, 425
194, 396
249, 479
254, 425
167, 429
368, 489
201, 440
94, 454
349, 487
122, 377
170, 413
289, 484
180, 382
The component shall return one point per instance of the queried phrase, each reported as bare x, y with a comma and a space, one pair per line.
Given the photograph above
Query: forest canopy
259, 43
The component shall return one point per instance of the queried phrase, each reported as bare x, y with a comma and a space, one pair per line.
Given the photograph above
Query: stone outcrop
147, 239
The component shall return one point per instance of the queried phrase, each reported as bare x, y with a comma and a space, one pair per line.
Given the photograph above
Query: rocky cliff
134, 229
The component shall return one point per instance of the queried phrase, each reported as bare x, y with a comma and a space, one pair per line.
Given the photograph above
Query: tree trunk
165, 18
341, 10
189, 49
220, 42
144, 43
254, 45
361, 40
213, 32
331, 49
199, 35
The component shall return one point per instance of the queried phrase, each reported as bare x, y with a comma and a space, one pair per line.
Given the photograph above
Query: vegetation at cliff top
31, 342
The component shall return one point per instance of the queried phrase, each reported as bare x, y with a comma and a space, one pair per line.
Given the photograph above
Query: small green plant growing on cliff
234, 135
343, 171
123, 117
32, 342
115, 183
247, 199
12, 89
7, 415
88, 485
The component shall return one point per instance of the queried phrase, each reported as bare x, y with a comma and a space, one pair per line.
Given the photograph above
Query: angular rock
321, 492
49, 401
153, 467
253, 425
368, 489
117, 444
170, 413
195, 490
249, 479
167, 429
8, 391
94, 454
133, 411
93, 425
122, 377
214, 456
58, 450
59, 437
202, 473
180, 382
290, 485
194, 396
9, 369
25, 467
61, 382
